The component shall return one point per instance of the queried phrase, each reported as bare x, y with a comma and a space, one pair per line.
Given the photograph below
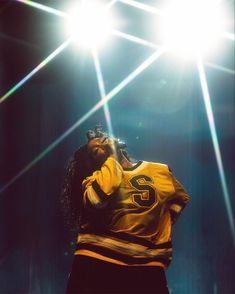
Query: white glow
90, 23
192, 27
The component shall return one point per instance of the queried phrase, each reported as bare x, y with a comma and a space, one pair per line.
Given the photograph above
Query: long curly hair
80, 166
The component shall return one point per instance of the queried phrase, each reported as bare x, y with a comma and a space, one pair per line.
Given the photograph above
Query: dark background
161, 115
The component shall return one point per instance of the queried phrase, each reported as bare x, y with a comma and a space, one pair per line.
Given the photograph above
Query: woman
125, 214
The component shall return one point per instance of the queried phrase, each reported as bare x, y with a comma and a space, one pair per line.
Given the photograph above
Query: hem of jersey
92, 254
121, 241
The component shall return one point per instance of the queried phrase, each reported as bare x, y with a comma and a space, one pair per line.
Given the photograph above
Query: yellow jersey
130, 213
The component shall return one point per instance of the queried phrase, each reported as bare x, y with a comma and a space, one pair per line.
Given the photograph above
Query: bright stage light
192, 27
90, 23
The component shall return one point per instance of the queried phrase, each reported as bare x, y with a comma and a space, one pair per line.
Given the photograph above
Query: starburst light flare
192, 27
90, 23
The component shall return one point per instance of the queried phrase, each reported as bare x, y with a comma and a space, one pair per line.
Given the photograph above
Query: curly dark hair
80, 166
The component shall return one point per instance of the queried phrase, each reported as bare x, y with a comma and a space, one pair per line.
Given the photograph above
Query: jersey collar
134, 166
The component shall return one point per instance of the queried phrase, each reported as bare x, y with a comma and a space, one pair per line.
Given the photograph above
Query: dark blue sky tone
162, 117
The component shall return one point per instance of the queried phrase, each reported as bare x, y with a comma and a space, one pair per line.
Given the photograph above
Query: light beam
135, 39
142, 6
221, 68
43, 8
100, 81
144, 65
192, 27
216, 146
35, 70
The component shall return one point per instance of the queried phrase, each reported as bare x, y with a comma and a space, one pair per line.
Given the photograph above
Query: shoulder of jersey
161, 167
157, 164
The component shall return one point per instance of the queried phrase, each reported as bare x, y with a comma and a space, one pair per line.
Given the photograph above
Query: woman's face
98, 150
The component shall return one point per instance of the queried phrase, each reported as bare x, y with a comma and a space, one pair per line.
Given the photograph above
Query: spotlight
192, 27
90, 23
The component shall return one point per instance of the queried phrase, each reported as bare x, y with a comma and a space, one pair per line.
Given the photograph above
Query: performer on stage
125, 212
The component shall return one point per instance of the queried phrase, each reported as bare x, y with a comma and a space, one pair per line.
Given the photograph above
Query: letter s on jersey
145, 195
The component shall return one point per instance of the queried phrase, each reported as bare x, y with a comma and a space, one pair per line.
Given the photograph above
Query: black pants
90, 275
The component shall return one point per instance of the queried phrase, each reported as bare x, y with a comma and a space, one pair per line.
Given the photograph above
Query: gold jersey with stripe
132, 211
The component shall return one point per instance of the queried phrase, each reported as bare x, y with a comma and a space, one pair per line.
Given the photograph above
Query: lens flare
192, 27
89, 24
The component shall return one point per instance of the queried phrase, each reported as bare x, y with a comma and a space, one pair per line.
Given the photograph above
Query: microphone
120, 144
98, 133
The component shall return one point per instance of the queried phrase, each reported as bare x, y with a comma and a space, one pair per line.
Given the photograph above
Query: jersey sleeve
102, 183
178, 200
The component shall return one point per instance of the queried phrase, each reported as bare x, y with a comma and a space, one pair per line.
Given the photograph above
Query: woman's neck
125, 163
